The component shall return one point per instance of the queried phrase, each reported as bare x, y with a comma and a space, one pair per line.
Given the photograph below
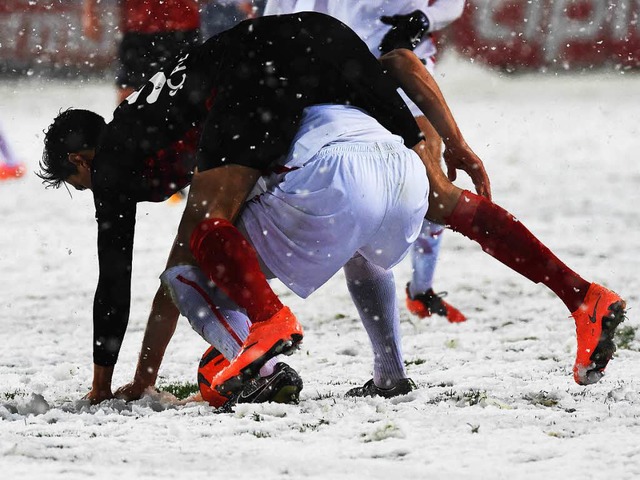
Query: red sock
232, 264
505, 238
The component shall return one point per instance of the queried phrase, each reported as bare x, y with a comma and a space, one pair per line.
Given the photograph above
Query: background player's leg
10, 167
424, 256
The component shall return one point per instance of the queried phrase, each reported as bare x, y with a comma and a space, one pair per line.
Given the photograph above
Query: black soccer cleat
370, 389
282, 386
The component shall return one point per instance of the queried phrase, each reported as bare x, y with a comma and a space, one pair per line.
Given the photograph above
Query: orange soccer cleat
596, 320
277, 335
211, 363
429, 303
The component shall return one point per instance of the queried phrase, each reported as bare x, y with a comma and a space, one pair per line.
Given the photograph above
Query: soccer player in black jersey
232, 106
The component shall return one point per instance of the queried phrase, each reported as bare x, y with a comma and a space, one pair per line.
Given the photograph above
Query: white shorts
368, 198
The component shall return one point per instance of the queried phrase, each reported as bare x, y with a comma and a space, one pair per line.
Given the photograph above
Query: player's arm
161, 326
422, 89
116, 227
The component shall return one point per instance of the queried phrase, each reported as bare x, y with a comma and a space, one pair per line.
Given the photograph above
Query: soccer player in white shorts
344, 173
385, 25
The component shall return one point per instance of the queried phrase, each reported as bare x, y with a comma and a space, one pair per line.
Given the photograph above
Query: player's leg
228, 259
373, 291
422, 300
210, 314
224, 326
596, 310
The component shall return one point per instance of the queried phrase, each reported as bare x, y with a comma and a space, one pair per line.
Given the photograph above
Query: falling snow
495, 398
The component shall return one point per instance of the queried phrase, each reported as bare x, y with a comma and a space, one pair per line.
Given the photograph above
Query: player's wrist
102, 376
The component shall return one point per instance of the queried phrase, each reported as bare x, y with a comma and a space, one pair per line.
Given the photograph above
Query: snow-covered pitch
496, 398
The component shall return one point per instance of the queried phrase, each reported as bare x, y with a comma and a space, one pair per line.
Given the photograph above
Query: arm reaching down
161, 325
112, 300
423, 90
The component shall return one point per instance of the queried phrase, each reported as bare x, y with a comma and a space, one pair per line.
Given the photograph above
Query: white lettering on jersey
159, 80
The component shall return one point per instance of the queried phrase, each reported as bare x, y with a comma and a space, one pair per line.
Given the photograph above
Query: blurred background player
385, 25
153, 33
219, 15
10, 166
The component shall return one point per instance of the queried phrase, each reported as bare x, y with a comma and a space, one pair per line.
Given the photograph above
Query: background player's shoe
9, 172
596, 320
277, 335
369, 389
430, 303
282, 386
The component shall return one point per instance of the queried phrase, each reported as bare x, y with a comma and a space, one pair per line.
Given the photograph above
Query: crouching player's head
69, 148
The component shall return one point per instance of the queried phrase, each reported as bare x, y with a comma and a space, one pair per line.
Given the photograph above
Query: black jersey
236, 99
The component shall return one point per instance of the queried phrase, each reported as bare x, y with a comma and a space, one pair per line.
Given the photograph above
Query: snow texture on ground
496, 398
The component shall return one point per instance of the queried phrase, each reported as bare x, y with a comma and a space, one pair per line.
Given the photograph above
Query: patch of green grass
543, 399
474, 428
474, 397
312, 426
417, 361
470, 397
323, 396
180, 390
625, 336
13, 395
452, 343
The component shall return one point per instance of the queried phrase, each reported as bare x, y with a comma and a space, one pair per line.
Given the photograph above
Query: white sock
424, 256
373, 292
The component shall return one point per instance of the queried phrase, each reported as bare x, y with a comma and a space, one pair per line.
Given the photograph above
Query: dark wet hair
71, 131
